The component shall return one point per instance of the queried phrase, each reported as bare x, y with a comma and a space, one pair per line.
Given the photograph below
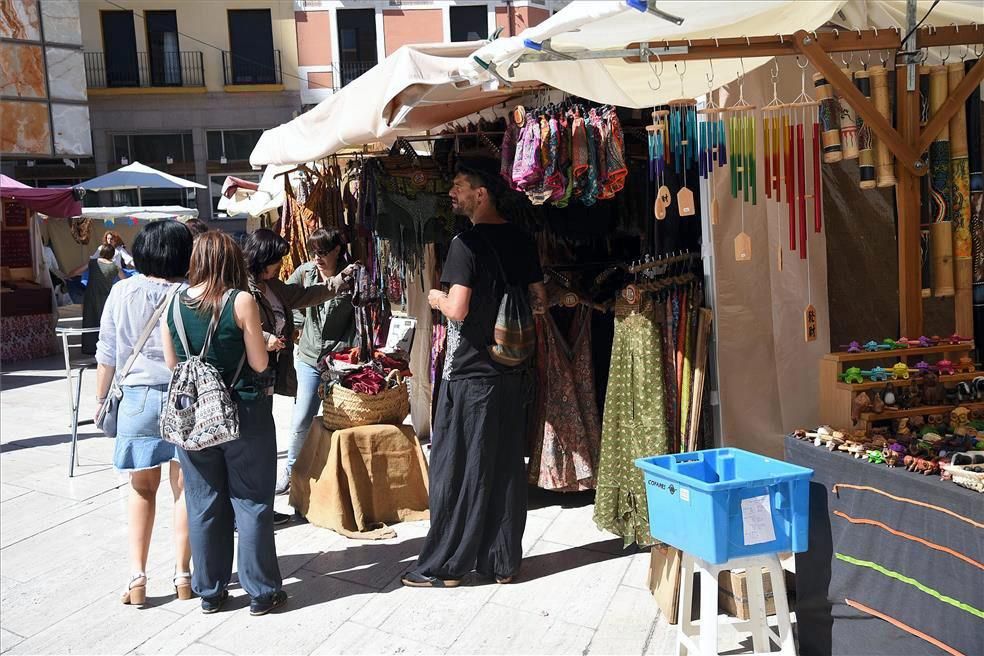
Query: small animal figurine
965, 365
932, 390
891, 344
889, 395
922, 367
900, 371
944, 368
926, 342
935, 423
875, 457
877, 374
956, 339
960, 421
917, 423
902, 428
852, 375
861, 403
875, 346
853, 347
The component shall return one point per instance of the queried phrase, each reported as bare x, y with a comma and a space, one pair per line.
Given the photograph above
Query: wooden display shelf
860, 387
868, 417
844, 356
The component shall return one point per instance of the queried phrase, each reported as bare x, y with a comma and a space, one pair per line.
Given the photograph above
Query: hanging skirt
634, 426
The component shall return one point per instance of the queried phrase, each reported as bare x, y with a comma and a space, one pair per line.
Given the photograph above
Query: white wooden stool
702, 639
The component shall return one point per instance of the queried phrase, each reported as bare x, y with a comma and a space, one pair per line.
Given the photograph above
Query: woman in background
103, 272
161, 252
279, 302
325, 328
229, 486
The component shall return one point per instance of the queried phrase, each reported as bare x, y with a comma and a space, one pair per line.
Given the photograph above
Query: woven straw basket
344, 408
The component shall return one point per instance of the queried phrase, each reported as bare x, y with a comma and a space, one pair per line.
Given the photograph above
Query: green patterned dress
634, 427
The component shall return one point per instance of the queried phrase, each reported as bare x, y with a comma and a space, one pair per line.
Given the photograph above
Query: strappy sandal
135, 594
182, 585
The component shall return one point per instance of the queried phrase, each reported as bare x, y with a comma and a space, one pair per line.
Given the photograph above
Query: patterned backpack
515, 327
199, 412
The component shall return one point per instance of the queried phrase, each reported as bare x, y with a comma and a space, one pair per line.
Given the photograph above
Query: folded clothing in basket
345, 368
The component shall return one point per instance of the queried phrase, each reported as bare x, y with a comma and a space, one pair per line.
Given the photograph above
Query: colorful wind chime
740, 120
683, 144
712, 143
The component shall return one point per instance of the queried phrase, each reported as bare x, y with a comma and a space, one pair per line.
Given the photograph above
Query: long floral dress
567, 430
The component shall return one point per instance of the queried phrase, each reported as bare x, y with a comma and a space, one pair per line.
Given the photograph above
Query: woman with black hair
264, 251
161, 253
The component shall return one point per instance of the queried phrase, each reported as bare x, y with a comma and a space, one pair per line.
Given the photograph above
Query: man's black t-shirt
471, 264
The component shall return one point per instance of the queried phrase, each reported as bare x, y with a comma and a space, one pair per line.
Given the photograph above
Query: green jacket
293, 296
325, 327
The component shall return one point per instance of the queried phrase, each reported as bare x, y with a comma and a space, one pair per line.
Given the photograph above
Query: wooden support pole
953, 104
907, 200
872, 117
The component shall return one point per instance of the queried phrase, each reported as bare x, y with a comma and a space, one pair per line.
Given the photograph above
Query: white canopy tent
415, 89
268, 196
420, 87
597, 26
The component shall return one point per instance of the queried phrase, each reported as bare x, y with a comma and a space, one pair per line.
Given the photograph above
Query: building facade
44, 111
187, 87
338, 40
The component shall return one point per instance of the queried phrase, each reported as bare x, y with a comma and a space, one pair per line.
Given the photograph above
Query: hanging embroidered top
559, 154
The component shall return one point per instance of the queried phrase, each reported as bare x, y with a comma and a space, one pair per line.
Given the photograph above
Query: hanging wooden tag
660, 208
570, 299
664, 195
715, 212
810, 323
743, 247
685, 202
631, 294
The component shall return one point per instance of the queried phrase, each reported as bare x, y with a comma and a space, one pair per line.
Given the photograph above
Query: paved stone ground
63, 565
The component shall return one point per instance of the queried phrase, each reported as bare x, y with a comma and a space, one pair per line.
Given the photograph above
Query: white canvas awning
143, 213
415, 89
268, 195
596, 26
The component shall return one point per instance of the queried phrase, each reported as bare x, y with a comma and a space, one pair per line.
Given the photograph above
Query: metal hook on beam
544, 46
650, 8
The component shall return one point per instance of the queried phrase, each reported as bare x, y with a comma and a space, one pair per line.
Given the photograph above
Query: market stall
75, 240
27, 314
747, 178
895, 560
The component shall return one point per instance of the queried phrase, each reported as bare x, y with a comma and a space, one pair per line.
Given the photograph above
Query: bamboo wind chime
740, 120
941, 190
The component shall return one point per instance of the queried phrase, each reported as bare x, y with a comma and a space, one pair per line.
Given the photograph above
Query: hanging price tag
715, 212
810, 323
631, 294
685, 201
743, 247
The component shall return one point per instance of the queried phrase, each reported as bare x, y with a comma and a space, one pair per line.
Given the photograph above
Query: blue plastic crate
721, 504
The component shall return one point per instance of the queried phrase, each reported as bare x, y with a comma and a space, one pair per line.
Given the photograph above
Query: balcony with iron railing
145, 70
253, 68
347, 71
